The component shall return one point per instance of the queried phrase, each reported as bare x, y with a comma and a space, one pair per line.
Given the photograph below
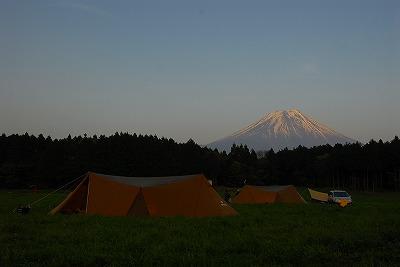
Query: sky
198, 69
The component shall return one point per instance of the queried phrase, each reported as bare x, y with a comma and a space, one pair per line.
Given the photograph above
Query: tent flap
139, 207
75, 202
318, 196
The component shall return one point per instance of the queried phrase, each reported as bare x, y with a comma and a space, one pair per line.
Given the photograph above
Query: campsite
130, 211
199, 133
366, 234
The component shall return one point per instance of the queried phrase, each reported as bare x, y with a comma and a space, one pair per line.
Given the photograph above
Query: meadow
365, 234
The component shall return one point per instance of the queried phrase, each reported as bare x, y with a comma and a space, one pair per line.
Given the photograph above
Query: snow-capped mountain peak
280, 129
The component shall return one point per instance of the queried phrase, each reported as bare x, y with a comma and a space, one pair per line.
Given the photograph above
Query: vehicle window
341, 194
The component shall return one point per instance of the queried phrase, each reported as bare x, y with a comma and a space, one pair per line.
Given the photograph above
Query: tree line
28, 160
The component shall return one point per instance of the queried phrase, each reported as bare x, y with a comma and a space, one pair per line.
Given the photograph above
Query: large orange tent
250, 194
108, 195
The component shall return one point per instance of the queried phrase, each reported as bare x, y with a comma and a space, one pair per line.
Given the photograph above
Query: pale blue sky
198, 69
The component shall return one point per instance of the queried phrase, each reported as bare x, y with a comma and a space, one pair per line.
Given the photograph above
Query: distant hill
280, 129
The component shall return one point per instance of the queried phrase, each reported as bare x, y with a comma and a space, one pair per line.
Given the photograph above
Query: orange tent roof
268, 194
189, 195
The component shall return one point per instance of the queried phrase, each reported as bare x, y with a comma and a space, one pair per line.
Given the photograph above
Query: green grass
365, 234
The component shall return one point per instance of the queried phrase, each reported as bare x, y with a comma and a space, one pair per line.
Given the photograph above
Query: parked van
338, 196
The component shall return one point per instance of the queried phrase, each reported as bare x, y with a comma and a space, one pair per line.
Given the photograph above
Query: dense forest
27, 160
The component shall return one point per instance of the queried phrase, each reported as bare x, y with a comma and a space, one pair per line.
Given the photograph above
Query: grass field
365, 234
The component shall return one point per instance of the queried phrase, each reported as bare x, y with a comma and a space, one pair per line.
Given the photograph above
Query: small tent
189, 195
250, 194
318, 196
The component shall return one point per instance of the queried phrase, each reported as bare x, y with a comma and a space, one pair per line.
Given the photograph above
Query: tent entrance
139, 207
76, 201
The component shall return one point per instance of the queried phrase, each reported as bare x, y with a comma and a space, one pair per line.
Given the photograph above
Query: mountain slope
280, 129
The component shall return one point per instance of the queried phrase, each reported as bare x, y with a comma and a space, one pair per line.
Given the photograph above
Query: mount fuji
280, 129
